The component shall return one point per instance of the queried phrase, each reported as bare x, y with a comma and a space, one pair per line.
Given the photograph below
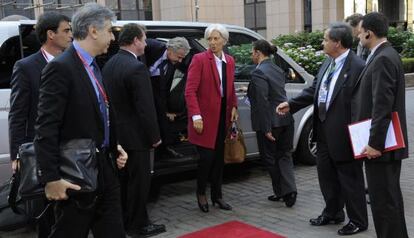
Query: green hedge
306, 49
408, 65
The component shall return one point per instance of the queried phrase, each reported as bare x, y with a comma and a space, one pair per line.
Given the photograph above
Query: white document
359, 133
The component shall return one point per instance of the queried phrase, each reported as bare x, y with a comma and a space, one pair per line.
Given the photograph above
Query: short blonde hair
219, 28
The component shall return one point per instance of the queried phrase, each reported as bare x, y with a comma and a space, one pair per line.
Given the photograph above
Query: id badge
322, 95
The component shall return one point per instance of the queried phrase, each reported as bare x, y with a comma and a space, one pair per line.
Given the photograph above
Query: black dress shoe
324, 220
275, 198
203, 206
222, 204
151, 230
350, 229
172, 153
290, 199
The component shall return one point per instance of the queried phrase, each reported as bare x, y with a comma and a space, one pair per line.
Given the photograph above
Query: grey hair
177, 43
341, 32
92, 14
219, 28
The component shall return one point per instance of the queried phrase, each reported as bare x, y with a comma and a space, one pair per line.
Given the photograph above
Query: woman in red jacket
212, 104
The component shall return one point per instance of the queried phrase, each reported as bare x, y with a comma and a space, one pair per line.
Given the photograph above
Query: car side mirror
291, 75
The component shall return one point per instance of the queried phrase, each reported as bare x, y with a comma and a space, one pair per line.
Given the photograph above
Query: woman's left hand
234, 114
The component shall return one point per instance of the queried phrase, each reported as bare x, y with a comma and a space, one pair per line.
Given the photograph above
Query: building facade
268, 17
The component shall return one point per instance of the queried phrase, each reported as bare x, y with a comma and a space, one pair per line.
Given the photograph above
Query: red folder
395, 122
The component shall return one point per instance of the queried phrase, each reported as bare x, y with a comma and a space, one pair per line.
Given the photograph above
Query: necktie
103, 107
162, 67
324, 90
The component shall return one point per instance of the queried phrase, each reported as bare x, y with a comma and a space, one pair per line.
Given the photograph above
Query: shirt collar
377, 46
131, 53
164, 56
49, 57
85, 55
342, 57
222, 58
265, 60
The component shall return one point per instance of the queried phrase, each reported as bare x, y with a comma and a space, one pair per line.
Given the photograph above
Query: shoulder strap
14, 188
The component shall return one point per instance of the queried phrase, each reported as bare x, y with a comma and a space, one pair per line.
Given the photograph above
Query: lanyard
94, 78
44, 54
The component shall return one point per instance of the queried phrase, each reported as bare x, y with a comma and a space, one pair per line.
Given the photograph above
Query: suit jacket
380, 90
153, 51
23, 100
161, 84
130, 91
203, 96
338, 115
68, 109
266, 91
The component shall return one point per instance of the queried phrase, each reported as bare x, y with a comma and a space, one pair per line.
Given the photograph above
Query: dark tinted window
10, 52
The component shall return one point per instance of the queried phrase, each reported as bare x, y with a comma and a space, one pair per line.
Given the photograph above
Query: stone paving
177, 207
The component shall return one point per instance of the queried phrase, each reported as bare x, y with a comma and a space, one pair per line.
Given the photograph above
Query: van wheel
306, 149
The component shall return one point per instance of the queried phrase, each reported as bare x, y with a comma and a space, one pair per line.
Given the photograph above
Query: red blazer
202, 95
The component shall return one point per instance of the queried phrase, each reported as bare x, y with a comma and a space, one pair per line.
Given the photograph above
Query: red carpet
232, 229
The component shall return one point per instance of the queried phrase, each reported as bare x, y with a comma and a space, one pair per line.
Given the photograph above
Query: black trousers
341, 183
75, 217
277, 157
46, 221
211, 161
387, 204
135, 186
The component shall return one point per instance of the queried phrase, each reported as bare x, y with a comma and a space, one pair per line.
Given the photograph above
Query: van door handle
242, 89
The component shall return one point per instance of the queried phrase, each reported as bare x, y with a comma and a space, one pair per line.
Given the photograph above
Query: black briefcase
9, 220
77, 164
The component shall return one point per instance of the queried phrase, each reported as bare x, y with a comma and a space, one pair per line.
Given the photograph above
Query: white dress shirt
339, 62
373, 51
48, 57
154, 69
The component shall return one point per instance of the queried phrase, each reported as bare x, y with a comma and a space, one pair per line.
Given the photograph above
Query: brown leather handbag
234, 146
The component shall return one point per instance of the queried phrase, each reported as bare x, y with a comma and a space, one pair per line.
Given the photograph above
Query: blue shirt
102, 105
89, 60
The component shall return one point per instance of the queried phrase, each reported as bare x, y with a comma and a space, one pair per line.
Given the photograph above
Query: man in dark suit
161, 60
54, 33
274, 132
73, 104
340, 175
129, 88
354, 21
379, 91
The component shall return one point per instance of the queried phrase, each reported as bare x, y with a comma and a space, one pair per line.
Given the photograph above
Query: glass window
17, 8
9, 54
249, 18
307, 11
261, 15
255, 14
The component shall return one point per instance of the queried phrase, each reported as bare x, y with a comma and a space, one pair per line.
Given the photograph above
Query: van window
289, 70
31, 43
11, 51
9, 54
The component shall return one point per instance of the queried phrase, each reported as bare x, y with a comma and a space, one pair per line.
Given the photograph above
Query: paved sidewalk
177, 207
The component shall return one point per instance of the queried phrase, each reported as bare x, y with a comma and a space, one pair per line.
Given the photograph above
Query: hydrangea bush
306, 49
307, 57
